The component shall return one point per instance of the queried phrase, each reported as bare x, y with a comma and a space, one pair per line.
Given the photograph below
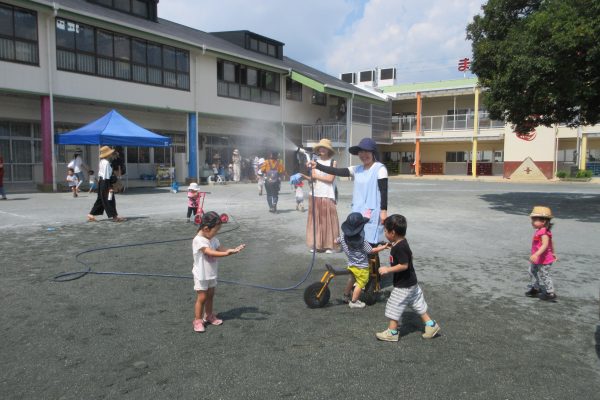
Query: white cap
193, 186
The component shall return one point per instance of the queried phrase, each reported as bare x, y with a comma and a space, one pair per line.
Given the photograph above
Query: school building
442, 128
65, 63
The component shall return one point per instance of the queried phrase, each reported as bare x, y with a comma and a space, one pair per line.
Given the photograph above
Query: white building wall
541, 148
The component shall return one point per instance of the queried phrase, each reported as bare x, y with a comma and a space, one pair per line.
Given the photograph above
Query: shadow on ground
578, 206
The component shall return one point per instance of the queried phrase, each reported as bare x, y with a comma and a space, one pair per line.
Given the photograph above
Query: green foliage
540, 60
561, 174
584, 173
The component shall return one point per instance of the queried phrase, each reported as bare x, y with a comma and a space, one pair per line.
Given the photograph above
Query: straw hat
541, 212
325, 143
105, 151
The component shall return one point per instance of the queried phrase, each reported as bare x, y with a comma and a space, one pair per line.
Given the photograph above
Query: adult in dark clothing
105, 200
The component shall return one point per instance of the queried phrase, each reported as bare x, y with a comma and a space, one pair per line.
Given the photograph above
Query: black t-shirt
401, 254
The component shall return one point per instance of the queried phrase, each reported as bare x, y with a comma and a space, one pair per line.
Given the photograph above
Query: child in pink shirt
192, 200
542, 255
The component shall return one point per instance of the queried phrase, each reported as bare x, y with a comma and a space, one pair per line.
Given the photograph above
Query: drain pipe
282, 115
50, 23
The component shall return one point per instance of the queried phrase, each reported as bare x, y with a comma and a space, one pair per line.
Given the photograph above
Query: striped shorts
402, 297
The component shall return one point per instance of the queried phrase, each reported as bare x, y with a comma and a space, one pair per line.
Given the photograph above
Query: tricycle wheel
369, 295
311, 292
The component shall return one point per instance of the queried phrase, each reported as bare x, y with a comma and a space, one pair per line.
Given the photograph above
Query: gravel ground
130, 337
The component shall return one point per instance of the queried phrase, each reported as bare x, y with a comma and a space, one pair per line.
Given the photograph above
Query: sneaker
199, 325
533, 292
213, 320
346, 298
431, 331
547, 296
356, 304
328, 251
387, 336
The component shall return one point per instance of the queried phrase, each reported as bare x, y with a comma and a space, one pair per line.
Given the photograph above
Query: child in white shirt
72, 181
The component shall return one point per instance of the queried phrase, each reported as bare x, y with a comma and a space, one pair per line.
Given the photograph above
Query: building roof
456, 86
166, 29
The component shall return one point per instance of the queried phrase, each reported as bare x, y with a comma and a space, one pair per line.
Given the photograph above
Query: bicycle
317, 294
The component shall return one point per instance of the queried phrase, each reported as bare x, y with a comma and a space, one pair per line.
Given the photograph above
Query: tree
539, 60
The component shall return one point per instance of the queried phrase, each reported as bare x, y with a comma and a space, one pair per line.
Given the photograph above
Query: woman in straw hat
323, 236
542, 255
106, 197
370, 192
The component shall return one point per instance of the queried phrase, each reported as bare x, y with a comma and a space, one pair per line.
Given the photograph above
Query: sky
423, 39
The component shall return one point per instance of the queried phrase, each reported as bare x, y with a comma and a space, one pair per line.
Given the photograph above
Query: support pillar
583, 152
417, 141
475, 134
46, 133
192, 146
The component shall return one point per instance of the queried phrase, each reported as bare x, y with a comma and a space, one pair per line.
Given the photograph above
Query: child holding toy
206, 250
542, 255
357, 251
407, 291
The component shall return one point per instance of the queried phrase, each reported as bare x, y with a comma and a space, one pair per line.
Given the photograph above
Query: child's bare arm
395, 268
222, 251
379, 248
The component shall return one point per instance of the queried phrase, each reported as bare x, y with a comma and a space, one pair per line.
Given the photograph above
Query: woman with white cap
106, 197
323, 236
370, 192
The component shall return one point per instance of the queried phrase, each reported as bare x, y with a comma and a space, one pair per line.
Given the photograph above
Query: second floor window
247, 83
293, 90
18, 35
89, 50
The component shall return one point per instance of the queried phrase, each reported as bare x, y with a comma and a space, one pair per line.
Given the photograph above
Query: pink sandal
199, 325
213, 320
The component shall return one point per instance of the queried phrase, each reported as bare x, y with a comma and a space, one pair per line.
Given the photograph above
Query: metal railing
337, 133
441, 123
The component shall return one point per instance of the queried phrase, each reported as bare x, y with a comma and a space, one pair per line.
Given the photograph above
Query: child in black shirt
406, 290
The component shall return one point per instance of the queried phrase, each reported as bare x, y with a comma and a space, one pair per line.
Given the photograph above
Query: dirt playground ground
130, 337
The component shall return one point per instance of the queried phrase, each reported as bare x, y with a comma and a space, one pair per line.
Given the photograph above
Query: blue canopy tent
113, 129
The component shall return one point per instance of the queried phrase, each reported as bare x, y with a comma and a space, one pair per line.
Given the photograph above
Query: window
318, 98
293, 90
456, 156
388, 73
245, 83
350, 77
264, 46
498, 156
86, 49
18, 35
366, 76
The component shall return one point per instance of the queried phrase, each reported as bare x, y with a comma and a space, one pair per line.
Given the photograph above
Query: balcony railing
441, 123
337, 133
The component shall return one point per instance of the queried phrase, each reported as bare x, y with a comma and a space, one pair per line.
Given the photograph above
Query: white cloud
424, 39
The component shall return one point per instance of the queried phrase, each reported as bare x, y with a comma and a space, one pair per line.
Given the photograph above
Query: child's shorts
402, 297
204, 284
361, 275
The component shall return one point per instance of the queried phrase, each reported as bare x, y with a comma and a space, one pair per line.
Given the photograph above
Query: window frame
237, 87
128, 54
13, 38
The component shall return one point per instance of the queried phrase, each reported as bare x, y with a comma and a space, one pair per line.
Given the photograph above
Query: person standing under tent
77, 165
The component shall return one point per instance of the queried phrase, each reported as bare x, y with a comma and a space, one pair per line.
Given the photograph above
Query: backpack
272, 174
